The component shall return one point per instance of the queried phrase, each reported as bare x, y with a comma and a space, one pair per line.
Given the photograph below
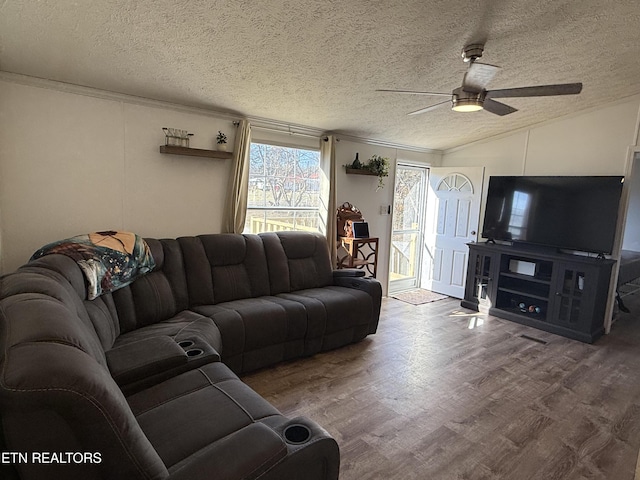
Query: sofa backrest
297, 260
58, 277
56, 392
64, 272
158, 295
189, 271
224, 267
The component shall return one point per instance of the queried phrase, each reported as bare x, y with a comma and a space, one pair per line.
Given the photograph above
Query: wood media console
560, 293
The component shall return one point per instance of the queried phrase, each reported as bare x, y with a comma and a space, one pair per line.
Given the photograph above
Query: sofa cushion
344, 312
65, 274
182, 326
183, 416
104, 317
230, 457
187, 332
65, 266
39, 318
257, 332
297, 260
157, 296
38, 278
224, 267
238, 266
56, 397
138, 360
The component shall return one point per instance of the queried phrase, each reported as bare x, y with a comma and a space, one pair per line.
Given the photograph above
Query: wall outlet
385, 209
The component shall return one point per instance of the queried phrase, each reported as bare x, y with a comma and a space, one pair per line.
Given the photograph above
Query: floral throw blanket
109, 260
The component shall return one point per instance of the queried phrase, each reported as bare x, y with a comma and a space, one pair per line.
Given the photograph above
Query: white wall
75, 160
362, 191
592, 143
631, 240
72, 164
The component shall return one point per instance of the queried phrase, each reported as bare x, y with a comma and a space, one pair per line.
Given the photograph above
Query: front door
453, 215
408, 222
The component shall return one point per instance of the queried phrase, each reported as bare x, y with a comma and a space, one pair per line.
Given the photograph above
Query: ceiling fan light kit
473, 96
466, 106
462, 101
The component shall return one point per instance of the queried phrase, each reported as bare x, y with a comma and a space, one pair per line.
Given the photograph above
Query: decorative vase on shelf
222, 147
356, 163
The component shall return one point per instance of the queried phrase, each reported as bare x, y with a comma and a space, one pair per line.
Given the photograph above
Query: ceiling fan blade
497, 107
539, 91
429, 108
478, 76
412, 92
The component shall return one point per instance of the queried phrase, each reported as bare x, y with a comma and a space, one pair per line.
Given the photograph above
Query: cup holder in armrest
198, 350
297, 434
194, 352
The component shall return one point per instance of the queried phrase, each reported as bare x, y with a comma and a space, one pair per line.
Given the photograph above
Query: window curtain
328, 195
235, 212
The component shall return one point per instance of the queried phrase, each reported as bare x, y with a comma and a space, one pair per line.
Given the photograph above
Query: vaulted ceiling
318, 63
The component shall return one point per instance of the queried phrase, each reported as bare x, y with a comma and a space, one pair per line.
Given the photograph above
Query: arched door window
455, 182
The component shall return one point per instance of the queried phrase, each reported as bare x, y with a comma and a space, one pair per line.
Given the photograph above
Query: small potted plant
380, 167
221, 141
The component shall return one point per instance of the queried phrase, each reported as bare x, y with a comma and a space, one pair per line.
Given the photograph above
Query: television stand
556, 292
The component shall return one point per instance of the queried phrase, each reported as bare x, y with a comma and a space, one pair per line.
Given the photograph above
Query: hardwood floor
441, 392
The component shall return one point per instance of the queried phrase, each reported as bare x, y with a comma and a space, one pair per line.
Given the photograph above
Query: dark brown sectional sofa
141, 383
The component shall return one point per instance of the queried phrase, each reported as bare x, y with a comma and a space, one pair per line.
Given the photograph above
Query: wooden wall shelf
194, 152
359, 171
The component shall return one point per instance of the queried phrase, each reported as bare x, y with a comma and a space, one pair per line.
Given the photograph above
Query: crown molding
278, 126
113, 96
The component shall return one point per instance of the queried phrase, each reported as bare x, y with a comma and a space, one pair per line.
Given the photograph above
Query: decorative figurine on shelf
347, 215
221, 141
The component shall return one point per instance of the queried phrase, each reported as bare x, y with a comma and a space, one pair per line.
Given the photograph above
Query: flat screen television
572, 213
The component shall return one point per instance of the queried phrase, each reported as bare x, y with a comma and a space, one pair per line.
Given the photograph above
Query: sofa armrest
369, 285
144, 358
348, 272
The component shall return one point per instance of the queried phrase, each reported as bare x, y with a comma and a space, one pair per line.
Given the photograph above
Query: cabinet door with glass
481, 272
574, 294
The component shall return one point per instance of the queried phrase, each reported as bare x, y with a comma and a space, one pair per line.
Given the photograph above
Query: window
519, 213
284, 189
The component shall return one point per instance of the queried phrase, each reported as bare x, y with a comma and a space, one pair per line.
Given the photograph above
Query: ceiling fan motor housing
463, 101
471, 52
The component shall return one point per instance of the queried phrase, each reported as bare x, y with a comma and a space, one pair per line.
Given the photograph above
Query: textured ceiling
318, 63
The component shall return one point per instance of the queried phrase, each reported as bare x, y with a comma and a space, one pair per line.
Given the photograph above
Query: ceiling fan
473, 95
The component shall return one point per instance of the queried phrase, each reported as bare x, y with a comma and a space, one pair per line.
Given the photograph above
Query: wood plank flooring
441, 392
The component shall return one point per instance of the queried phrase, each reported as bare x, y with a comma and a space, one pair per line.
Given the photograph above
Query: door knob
473, 232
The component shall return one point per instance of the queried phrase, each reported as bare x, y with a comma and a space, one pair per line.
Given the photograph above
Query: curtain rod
289, 131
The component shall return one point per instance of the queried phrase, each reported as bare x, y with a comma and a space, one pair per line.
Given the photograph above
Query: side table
358, 253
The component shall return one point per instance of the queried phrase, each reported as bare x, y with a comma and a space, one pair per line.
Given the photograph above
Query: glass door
408, 222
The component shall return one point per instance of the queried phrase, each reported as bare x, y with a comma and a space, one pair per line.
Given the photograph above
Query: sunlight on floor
460, 313
475, 322
476, 319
